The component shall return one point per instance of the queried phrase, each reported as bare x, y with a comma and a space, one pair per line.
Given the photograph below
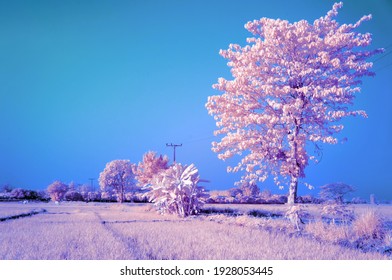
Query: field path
128, 243
121, 217
63, 232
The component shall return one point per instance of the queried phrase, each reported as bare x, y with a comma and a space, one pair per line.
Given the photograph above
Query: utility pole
174, 149
92, 184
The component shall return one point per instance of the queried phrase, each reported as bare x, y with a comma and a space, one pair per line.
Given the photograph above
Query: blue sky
86, 82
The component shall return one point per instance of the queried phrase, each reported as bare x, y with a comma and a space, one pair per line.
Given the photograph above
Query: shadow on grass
265, 214
23, 215
216, 211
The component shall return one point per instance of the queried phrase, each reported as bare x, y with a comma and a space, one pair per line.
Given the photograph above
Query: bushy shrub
217, 199
140, 197
277, 199
136, 197
308, 199
247, 193
93, 196
73, 195
265, 194
336, 212
4, 195
250, 189
176, 190
358, 200
43, 195
235, 192
20, 193
247, 200
108, 196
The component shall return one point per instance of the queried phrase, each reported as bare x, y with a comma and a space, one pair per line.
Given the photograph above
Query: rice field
109, 231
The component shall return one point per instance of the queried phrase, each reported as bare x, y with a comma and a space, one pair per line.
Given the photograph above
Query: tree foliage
250, 189
176, 190
291, 86
57, 190
73, 195
20, 193
150, 166
335, 191
6, 188
118, 176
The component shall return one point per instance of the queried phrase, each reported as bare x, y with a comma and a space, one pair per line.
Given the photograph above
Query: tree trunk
292, 197
121, 194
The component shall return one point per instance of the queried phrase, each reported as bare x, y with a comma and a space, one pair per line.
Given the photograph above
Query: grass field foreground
135, 231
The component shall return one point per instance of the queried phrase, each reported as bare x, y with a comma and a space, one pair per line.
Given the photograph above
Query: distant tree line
8, 193
172, 188
141, 192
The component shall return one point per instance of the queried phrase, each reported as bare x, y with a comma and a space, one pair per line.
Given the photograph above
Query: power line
390, 45
381, 57
199, 139
383, 67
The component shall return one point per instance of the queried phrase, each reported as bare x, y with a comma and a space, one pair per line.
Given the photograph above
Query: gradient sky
86, 82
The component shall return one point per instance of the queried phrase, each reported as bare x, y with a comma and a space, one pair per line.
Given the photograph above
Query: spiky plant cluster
176, 190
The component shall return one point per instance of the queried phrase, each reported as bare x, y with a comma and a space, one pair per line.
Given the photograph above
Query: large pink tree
291, 85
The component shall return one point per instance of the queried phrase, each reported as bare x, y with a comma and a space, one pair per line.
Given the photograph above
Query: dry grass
208, 240
135, 231
328, 232
367, 228
369, 225
13, 209
70, 234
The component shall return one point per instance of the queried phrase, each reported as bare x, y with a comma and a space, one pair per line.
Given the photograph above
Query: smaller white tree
176, 190
335, 191
118, 176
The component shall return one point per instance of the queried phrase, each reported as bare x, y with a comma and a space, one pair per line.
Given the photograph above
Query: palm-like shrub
176, 190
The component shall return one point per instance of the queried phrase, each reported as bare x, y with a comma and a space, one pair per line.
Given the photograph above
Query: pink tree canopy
57, 190
150, 166
291, 85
